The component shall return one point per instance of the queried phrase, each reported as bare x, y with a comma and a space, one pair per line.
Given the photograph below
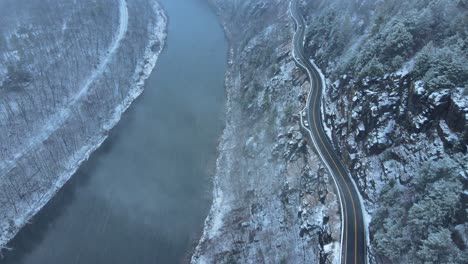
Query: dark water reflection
143, 197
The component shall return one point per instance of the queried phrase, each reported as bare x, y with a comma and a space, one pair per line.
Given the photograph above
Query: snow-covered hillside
69, 69
396, 105
273, 201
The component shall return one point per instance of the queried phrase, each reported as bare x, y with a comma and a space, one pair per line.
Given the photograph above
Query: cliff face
68, 71
273, 201
397, 110
394, 107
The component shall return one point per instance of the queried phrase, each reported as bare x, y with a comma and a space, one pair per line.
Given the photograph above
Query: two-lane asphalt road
353, 237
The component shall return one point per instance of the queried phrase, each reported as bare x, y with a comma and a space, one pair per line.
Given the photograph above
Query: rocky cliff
273, 200
397, 110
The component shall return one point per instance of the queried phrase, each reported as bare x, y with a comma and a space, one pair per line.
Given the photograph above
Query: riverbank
104, 103
272, 200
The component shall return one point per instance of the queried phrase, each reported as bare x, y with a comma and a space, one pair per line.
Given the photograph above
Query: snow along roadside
366, 216
142, 72
337, 251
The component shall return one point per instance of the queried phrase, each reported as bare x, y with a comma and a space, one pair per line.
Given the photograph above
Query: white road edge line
310, 133
361, 200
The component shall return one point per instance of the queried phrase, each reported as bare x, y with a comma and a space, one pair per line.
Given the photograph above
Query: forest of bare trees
68, 69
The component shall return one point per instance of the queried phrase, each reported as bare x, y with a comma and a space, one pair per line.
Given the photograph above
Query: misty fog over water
143, 197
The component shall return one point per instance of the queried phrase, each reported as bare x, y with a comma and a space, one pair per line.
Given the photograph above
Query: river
144, 195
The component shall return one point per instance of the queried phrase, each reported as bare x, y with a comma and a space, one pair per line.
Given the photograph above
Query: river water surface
144, 195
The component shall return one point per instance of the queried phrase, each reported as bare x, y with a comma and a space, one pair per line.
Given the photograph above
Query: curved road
353, 236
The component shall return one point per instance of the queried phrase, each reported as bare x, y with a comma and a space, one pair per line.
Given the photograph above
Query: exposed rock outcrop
273, 202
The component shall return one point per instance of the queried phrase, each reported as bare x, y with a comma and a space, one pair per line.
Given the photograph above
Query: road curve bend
353, 233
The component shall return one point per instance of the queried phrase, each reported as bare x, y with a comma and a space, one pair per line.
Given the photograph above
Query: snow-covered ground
14, 217
272, 200
55, 121
328, 130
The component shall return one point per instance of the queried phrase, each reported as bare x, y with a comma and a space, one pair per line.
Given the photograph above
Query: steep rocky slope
68, 70
273, 200
397, 110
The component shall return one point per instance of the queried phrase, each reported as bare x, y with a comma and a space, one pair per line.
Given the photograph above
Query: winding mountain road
353, 234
